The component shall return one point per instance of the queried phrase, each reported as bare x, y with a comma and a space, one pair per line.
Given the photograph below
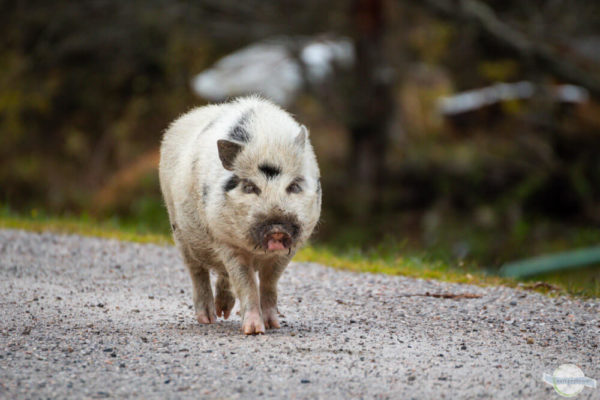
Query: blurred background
469, 129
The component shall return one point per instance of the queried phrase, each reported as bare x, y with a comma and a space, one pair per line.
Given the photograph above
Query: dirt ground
94, 318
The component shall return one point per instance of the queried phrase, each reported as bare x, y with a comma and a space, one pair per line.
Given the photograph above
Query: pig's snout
276, 234
277, 239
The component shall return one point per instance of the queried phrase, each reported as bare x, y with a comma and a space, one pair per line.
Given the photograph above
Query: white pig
241, 184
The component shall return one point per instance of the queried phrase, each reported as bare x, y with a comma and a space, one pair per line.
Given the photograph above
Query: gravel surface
94, 318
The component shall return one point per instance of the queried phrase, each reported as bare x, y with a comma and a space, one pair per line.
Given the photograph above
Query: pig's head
272, 192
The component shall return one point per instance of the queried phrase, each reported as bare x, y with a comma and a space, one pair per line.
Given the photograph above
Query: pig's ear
301, 138
228, 151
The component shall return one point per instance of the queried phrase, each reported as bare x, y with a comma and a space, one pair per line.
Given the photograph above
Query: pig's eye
294, 188
249, 188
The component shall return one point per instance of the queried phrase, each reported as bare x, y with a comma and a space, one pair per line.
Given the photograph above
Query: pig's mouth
277, 241
273, 234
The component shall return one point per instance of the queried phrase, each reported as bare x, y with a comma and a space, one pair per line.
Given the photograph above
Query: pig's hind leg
225, 299
203, 297
204, 303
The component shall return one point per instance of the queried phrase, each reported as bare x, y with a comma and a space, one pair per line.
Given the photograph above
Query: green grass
387, 258
417, 266
84, 225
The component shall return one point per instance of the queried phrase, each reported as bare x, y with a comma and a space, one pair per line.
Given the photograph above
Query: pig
242, 187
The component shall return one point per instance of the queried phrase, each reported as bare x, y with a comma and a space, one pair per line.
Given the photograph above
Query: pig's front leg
243, 279
269, 276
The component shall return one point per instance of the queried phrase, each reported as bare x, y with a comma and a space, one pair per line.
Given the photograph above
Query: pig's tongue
274, 244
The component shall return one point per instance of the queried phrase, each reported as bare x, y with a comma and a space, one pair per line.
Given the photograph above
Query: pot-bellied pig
242, 188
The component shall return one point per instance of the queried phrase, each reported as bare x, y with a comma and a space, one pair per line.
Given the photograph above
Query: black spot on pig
239, 132
270, 171
231, 183
204, 194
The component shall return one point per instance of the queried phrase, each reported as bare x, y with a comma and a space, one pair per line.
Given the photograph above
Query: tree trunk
370, 106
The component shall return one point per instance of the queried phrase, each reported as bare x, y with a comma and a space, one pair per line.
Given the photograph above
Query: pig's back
179, 149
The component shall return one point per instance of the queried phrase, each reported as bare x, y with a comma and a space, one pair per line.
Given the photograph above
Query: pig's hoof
206, 317
253, 323
270, 318
224, 302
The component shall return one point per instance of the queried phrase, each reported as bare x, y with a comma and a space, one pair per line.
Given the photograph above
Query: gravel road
94, 318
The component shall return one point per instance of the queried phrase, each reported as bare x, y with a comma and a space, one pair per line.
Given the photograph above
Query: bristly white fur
211, 225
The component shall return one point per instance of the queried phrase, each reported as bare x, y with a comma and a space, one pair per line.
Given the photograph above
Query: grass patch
387, 258
416, 266
83, 225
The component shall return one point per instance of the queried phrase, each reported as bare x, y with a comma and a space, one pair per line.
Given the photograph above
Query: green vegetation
389, 257
398, 263
85, 225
